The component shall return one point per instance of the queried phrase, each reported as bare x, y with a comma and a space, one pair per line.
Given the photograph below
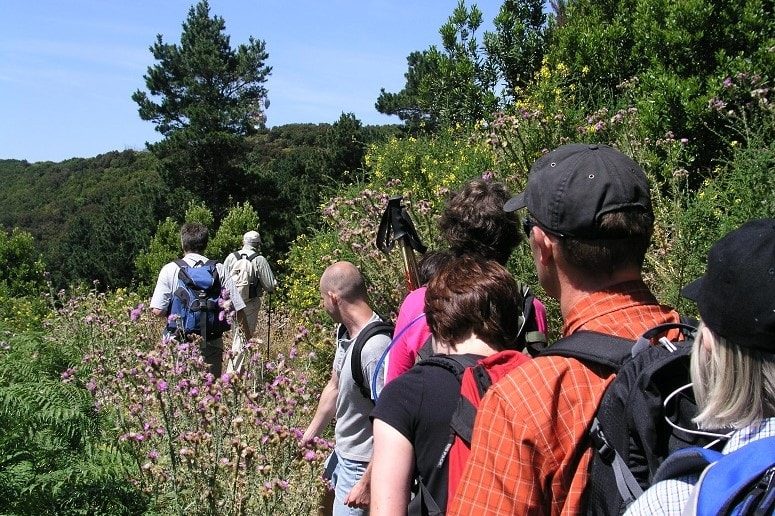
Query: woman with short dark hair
470, 306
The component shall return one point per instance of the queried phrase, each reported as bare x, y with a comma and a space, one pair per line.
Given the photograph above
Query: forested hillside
91, 217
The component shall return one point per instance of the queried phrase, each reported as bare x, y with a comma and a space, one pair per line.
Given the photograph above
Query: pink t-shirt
411, 321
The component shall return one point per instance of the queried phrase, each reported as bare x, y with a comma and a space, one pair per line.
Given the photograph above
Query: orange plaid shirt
530, 452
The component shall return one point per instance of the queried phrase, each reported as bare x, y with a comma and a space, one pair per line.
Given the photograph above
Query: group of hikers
463, 407
190, 294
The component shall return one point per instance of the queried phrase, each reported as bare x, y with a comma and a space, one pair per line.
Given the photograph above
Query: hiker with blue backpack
589, 221
470, 306
191, 293
733, 379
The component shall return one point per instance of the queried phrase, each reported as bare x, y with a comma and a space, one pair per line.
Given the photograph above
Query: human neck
571, 292
473, 345
355, 317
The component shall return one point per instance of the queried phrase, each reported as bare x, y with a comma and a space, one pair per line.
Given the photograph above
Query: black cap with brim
735, 295
515, 203
571, 187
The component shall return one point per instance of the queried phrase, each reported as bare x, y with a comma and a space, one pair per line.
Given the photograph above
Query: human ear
543, 246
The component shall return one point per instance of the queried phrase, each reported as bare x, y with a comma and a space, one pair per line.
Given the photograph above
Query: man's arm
242, 320
359, 495
265, 276
325, 411
392, 465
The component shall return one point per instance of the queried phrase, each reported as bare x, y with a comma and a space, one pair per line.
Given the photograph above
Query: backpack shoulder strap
594, 347
743, 476
356, 366
237, 256
183, 273
252, 257
685, 462
455, 364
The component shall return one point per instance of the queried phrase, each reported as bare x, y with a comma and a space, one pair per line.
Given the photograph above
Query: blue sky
69, 67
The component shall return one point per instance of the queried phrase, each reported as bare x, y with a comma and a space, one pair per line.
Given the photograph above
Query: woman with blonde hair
733, 358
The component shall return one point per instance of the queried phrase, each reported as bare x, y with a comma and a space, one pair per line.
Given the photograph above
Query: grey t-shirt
353, 427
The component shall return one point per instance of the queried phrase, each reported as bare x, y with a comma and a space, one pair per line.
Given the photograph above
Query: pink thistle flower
91, 386
153, 455
135, 314
310, 456
161, 386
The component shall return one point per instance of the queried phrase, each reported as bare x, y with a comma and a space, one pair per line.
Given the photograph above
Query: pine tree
205, 98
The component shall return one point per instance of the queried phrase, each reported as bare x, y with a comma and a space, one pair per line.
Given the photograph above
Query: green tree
205, 97
517, 45
448, 85
239, 220
344, 147
410, 104
21, 266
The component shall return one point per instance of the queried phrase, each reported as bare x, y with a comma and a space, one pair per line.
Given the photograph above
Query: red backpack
475, 378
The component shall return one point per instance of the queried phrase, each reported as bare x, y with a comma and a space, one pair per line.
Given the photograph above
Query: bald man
343, 295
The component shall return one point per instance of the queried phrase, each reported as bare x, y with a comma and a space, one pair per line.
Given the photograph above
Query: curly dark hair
472, 295
474, 222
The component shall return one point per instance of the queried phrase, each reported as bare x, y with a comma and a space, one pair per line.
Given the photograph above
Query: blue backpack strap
383, 357
736, 476
686, 462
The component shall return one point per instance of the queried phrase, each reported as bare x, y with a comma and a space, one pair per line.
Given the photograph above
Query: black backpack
380, 327
195, 302
629, 433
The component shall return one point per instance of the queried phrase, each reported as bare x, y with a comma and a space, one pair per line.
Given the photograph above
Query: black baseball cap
569, 188
736, 295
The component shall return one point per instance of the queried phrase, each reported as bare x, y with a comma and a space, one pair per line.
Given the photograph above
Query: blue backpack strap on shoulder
740, 481
686, 462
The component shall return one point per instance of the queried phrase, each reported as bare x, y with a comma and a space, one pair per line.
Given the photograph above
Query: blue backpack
739, 483
195, 302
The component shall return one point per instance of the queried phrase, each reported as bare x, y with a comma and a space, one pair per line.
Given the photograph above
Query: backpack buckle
600, 443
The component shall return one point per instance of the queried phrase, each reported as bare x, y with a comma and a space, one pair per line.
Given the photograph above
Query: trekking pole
397, 226
268, 320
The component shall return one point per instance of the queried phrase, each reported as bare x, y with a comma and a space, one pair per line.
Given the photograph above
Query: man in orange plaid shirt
589, 222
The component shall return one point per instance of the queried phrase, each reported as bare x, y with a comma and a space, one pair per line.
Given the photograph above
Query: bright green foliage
453, 84
210, 96
21, 266
21, 281
516, 47
672, 55
238, 221
55, 459
461, 82
199, 213
164, 248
